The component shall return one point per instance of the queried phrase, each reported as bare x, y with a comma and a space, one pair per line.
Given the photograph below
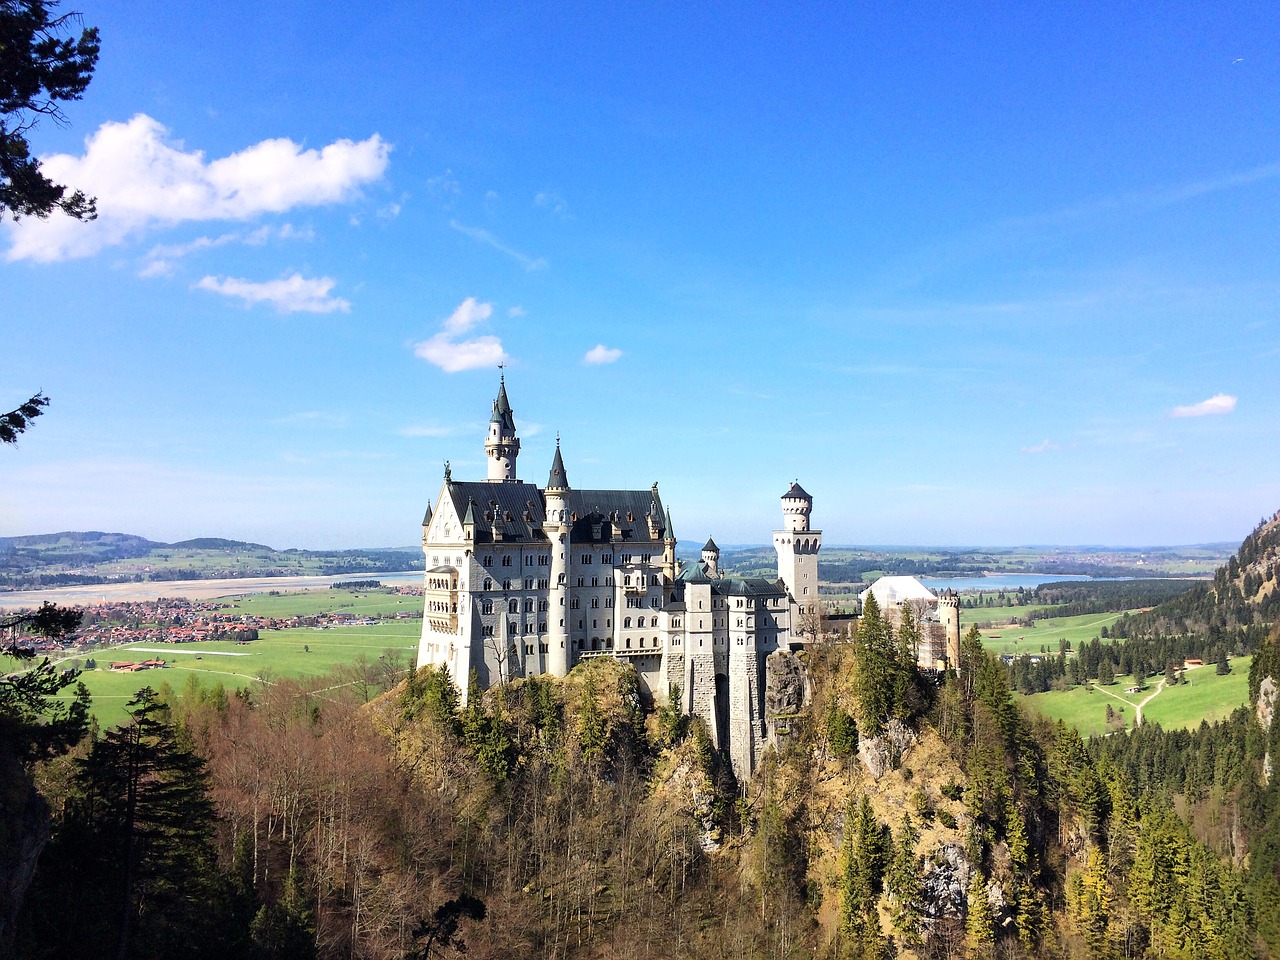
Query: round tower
796, 507
949, 614
502, 446
711, 558
556, 526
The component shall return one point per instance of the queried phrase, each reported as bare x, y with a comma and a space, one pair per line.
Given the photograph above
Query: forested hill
1242, 599
75, 557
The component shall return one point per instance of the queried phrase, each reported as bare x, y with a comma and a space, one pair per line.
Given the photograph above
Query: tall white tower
557, 525
797, 547
502, 446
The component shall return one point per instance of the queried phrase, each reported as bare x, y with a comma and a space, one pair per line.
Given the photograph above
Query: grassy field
1206, 696
299, 652
1045, 634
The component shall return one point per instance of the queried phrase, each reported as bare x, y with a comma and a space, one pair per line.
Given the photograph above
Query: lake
1004, 581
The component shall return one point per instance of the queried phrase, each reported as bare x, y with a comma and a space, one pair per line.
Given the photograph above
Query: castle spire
558, 480
501, 445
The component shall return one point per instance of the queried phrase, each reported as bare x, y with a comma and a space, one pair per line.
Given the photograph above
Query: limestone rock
945, 883
883, 753
786, 684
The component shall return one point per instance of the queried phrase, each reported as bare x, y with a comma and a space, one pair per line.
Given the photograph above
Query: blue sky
974, 274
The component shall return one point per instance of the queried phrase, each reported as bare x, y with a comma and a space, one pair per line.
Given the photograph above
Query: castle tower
711, 558
501, 446
797, 546
556, 527
669, 547
949, 614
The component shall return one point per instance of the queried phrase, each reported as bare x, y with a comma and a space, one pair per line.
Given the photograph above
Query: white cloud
295, 294
143, 180
1221, 403
159, 259
451, 355
515, 312
601, 354
481, 235
468, 355
469, 313
1044, 446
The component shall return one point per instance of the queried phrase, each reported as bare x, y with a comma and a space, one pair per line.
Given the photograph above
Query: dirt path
1137, 707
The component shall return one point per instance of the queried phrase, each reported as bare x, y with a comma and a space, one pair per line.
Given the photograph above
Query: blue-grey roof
558, 477
502, 408
710, 545
797, 492
748, 587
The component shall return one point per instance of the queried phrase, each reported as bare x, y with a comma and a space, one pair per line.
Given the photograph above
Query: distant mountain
83, 557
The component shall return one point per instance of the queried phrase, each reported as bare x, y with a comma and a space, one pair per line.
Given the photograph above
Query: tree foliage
40, 69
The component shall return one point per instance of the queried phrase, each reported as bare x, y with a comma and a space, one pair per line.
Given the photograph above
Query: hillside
1242, 600
71, 558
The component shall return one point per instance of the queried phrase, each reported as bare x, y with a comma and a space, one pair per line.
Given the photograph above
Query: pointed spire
710, 546
427, 519
671, 530
558, 479
470, 516
502, 407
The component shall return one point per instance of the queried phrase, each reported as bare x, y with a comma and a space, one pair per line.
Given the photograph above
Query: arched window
626, 624
488, 584
486, 607
513, 606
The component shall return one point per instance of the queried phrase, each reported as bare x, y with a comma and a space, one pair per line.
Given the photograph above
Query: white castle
524, 580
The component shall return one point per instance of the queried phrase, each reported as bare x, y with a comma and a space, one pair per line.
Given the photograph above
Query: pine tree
903, 884
979, 926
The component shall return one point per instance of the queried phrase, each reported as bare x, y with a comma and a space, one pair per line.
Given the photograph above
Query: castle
524, 580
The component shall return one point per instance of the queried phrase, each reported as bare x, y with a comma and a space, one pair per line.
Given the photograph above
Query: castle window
608, 581
626, 581
513, 606
528, 606
528, 560
506, 561
655, 602
511, 629
595, 603
528, 583
542, 606
608, 601
542, 626
629, 644
488, 561
543, 560
528, 648
573, 604
488, 631
435, 560
506, 584
488, 584
626, 624
486, 607
606, 558
586, 558
581, 582
653, 579
806, 591
595, 581
626, 558
542, 584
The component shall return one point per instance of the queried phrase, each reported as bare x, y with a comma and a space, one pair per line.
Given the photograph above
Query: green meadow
1046, 634
1205, 696
295, 652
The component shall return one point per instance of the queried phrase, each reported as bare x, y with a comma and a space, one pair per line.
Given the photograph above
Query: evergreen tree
903, 884
979, 926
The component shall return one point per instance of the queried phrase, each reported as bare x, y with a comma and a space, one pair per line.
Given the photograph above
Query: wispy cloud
1044, 446
552, 201
515, 312
1218, 404
481, 235
295, 294
452, 355
159, 260
144, 180
601, 354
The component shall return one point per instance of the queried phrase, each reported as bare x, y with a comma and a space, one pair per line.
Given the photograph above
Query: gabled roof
602, 512
797, 492
513, 509
748, 587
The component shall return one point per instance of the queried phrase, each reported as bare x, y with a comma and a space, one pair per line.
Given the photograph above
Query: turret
669, 547
711, 559
556, 527
502, 446
949, 614
796, 506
